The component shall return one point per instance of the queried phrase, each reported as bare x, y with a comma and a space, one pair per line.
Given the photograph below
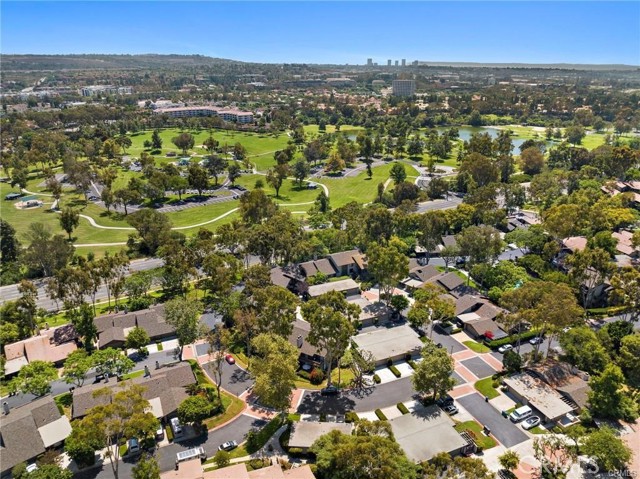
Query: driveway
234, 379
478, 367
502, 428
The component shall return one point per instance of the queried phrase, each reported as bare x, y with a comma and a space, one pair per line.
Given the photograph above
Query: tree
46, 253
274, 368
481, 244
433, 375
610, 452
626, 290
34, 378
197, 178
82, 320
256, 207
449, 255
9, 244
222, 459
341, 456
430, 305
219, 341
388, 265
629, 358
26, 303
575, 134
76, 367
153, 227
195, 409
399, 303
184, 141
216, 166
443, 466
555, 455
590, 267
137, 339
398, 173
233, 173
509, 460
330, 318
531, 161
124, 142
210, 144
512, 362
276, 176
184, 316
126, 415
607, 397
156, 140
361, 363
276, 307
335, 163
111, 362
582, 348
146, 468
300, 171
127, 197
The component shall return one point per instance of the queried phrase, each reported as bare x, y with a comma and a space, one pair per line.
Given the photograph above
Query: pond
465, 133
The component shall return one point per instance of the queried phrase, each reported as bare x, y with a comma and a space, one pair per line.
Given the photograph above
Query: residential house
371, 312
30, 430
305, 433
114, 328
477, 316
193, 470
568, 246
348, 263
452, 283
624, 245
630, 188
348, 287
309, 354
569, 381
323, 266
290, 278
393, 343
164, 388
53, 345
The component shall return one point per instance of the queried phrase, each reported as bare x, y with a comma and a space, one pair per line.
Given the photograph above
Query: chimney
5, 407
299, 341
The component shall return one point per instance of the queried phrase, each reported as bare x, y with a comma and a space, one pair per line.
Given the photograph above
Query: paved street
166, 456
10, 292
502, 428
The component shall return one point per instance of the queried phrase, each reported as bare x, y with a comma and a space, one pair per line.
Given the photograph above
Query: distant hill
556, 66
111, 62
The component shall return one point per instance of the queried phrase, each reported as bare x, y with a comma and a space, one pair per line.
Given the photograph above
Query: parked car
536, 340
230, 359
520, 414
176, 427
531, 422
505, 348
444, 401
160, 433
329, 391
228, 446
134, 446
32, 467
451, 409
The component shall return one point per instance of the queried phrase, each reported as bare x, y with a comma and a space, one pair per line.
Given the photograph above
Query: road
10, 292
166, 456
59, 386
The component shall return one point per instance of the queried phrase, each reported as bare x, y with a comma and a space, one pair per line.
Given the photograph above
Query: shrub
376, 379
296, 452
496, 343
455, 330
413, 364
221, 459
257, 463
317, 376
381, 415
19, 470
350, 416
402, 408
169, 432
137, 304
389, 363
495, 383
304, 375
395, 371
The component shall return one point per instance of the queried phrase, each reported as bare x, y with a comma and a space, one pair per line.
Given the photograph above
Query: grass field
348, 129
357, 188
289, 192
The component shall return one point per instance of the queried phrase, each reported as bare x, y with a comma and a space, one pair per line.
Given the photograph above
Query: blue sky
331, 32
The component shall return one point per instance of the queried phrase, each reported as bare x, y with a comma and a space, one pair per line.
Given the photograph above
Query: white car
505, 348
530, 423
536, 340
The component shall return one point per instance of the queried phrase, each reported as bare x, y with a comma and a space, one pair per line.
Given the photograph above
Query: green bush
296, 452
381, 415
496, 343
395, 371
19, 470
350, 416
169, 432
413, 364
317, 376
455, 330
304, 375
376, 379
257, 463
402, 408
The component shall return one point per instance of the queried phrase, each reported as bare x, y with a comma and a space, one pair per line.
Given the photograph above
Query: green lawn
348, 129
357, 188
289, 192
485, 387
476, 347
475, 430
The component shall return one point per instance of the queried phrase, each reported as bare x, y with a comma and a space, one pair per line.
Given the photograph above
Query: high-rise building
396, 62
404, 87
388, 63
370, 62
404, 62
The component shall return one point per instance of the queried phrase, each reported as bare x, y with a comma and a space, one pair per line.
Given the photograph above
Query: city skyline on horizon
280, 32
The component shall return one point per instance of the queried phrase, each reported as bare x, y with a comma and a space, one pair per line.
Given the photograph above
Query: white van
176, 427
191, 454
521, 413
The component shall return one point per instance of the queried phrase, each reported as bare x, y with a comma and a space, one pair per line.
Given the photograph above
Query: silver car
530, 422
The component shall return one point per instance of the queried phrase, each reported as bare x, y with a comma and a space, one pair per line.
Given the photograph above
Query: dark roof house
113, 328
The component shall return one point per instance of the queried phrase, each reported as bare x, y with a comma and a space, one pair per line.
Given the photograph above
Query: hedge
496, 343
402, 408
395, 371
413, 364
350, 416
376, 379
381, 415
